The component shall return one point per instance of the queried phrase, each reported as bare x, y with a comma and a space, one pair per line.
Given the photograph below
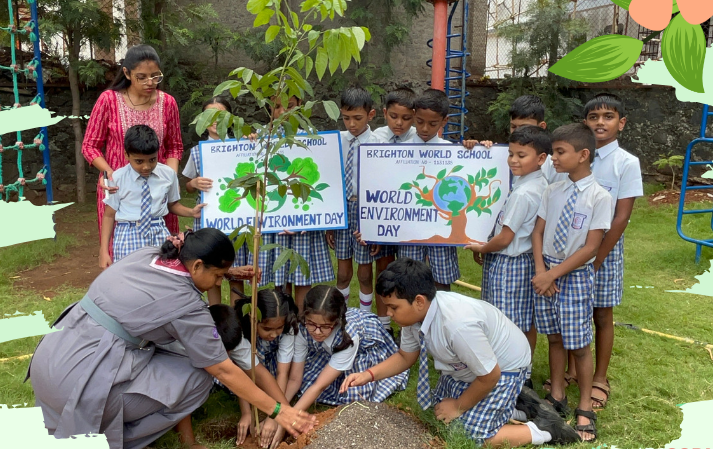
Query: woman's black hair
134, 56
329, 302
227, 325
272, 304
210, 245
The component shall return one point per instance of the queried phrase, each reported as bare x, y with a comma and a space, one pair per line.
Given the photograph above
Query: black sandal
589, 428
561, 406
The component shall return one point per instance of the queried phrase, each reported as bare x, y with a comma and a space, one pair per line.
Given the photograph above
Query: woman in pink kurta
133, 99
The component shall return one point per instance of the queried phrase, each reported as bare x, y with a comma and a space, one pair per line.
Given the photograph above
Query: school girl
199, 183
333, 342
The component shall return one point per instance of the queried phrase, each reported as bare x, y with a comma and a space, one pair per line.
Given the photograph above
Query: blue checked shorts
127, 239
346, 245
312, 246
609, 279
490, 414
509, 288
568, 312
443, 260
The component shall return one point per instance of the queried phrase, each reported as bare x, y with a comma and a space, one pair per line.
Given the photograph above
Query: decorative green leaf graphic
321, 186
244, 168
405, 186
492, 172
279, 162
457, 168
600, 59
441, 174
496, 195
683, 48
229, 202
420, 176
306, 168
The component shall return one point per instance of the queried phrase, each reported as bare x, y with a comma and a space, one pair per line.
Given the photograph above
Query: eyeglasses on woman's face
143, 79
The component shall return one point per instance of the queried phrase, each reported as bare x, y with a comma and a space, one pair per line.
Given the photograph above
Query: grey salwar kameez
88, 380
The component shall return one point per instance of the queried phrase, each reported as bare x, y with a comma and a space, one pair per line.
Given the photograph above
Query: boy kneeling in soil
482, 355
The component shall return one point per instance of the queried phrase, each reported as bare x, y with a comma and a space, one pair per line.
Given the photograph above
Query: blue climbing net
31, 70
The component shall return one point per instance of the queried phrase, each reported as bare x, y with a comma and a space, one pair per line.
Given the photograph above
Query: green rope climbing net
30, 70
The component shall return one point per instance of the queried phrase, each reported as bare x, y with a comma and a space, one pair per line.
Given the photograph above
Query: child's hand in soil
277, 439
244, 426
267, 432
104, 259
447, 410
355, 380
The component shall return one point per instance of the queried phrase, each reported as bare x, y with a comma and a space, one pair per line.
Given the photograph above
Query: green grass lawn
649, 375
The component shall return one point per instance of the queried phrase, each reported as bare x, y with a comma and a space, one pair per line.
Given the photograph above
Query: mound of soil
673, 197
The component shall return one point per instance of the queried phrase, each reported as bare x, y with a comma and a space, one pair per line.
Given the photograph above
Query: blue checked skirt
490, 414
312, 246
267, 354
375, 346
485, 283
568, 312
127, 239
509, 287
346, 245
443, 260
609, 279
266, 260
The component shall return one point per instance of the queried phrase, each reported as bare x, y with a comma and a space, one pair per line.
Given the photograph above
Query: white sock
385, 321
538, 436
345, 292
529, 371
519, 415
365, 301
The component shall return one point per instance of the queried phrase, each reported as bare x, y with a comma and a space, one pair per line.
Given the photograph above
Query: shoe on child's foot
562, 433
528, 384
533, 405
561, 405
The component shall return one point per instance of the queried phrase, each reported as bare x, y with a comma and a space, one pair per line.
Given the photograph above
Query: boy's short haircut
533, 136
355, 97
402, 96
578, 135
605, 101
528, 107
407, 278
433, 100
141, 139
227, 325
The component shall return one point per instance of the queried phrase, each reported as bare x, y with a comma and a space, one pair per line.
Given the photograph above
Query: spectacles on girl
324, 328
145, 80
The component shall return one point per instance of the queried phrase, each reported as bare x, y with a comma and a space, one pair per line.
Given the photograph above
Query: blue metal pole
41, 93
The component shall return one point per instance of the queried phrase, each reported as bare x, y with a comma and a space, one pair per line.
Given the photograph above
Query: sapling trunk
253, 305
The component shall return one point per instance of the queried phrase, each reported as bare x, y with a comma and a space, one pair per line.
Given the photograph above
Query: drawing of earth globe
452, 193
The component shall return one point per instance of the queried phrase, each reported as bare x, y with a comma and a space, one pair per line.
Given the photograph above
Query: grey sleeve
197, 333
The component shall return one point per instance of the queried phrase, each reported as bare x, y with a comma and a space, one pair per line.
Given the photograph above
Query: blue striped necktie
395, 139
349, 169
423, 386
145, 219
565, 219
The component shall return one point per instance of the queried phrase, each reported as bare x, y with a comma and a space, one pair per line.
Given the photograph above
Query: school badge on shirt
459, 366
578, 220
215, 333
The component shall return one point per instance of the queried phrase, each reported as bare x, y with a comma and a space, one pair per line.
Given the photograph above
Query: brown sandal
547, 385
601, 403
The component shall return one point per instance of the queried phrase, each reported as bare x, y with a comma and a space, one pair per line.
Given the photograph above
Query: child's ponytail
329, 302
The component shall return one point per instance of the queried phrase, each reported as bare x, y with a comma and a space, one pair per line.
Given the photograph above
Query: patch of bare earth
674, 196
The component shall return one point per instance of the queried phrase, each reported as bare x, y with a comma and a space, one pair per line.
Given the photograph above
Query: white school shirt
240, 355
618, 172
520, 212
550, 173
467, 337
163, 184
365, 137
340, 361
434, 139
286, 349
384, 134
191, 169
593, 210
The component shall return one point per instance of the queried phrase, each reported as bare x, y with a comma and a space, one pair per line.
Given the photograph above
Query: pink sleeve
98, 127
173, 143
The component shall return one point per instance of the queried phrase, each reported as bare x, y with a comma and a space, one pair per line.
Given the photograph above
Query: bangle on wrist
276, 411
372, 374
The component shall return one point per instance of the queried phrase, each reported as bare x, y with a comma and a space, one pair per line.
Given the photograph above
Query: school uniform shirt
341, 361
434, 139
467, 338
520, 212
618, 172
385, 135
365, 137
550, 173
593, 210
163, 185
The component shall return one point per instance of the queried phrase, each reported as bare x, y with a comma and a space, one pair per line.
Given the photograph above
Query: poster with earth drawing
320, 166
430, 194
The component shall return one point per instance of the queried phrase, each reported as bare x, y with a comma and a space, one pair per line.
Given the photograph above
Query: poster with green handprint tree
288, 204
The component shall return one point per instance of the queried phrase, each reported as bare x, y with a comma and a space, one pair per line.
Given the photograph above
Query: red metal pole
440, 31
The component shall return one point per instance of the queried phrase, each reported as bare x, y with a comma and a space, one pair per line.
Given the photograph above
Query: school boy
509, 275
481, 354
357, 109
431, 115
572, 219
148, 190
398, 112
618, 172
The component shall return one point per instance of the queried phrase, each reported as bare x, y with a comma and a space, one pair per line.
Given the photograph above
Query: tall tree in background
78, 22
